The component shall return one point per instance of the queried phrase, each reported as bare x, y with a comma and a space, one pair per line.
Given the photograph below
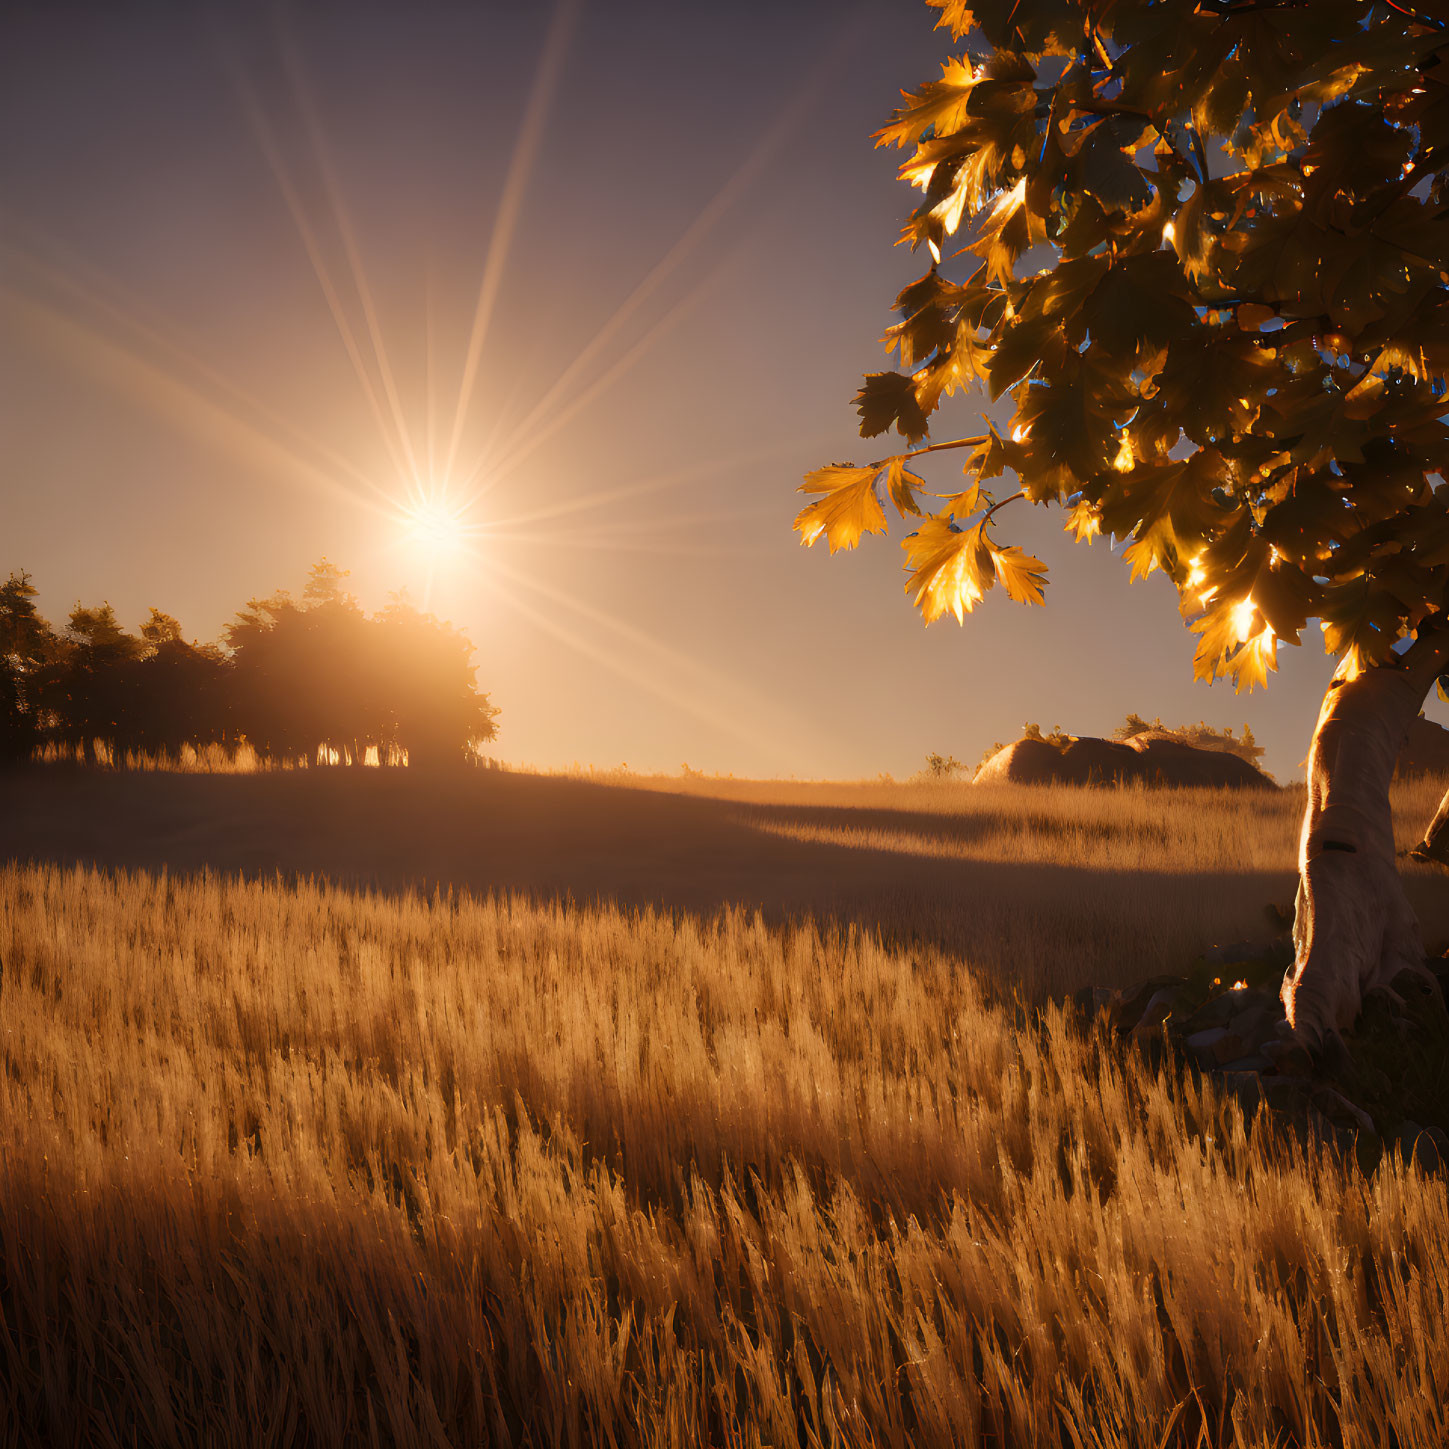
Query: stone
1218, 1011
1152, 759
1341, 1112
1425, 750
1290, 1058
1252, 1063
1256, 1015
1136, 998
1286, 1094
1229, 1048
1157, 1011
1201, 1043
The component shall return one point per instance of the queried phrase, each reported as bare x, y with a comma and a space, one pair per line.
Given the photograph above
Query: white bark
1435, 844
1354, 928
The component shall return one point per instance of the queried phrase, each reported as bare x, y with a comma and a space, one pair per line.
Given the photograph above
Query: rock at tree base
1384, 1086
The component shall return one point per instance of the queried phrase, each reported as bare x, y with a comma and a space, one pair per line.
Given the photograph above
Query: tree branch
975, 442
1428, 656
1002, 504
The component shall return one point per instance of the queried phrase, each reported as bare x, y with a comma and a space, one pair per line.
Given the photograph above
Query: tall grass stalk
289, 1165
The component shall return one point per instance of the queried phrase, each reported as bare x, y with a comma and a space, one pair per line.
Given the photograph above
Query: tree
432, 706
324, 674
27, 645
89, 686
179, 691
1206, 248
303, 679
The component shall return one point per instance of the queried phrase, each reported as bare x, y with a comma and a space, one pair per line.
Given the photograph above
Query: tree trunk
1354, 929
1435, 844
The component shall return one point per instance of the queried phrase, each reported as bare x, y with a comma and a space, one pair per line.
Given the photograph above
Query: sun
435, 526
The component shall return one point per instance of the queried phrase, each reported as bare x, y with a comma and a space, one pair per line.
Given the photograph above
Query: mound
1152, 758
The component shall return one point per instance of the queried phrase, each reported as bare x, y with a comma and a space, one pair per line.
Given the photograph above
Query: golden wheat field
1042, 889
288, 1163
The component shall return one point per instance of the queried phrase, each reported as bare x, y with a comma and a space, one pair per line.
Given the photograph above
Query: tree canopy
295, 679
1205, 255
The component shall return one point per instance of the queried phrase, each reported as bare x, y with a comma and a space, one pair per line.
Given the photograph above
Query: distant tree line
296, 679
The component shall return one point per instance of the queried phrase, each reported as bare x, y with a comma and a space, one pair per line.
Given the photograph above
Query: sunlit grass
297, 1165
213, 759
1042, 889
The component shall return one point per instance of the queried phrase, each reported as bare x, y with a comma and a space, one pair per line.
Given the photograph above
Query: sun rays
520, 168
435, 443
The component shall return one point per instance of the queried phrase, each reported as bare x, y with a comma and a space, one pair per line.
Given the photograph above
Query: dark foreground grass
296, 1166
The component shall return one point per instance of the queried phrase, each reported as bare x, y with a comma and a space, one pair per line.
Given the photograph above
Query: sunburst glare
437, 527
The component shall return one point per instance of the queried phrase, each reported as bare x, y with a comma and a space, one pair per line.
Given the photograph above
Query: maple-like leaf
849, 507
886, 399
951, 569
1022, 576
901, 484
1254, 661
963, 504
1206, 259
941, 104
1235, 643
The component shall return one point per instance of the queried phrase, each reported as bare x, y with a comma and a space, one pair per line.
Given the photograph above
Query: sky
604, 275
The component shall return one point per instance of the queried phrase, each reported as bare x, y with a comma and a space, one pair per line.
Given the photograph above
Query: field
729, 1116
1043, 890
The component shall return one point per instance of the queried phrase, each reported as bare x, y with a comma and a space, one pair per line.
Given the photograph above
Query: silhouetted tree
87, 688
430, 701
323, 675
179, 692
27, 645
303, 679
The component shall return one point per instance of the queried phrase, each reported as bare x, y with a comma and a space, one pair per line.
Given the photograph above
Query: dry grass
213, 759
1044, 890
308, 1167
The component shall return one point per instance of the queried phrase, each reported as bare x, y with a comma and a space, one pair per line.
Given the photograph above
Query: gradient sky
692, 261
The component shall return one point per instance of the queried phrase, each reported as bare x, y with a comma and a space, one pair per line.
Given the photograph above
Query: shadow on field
1046, 926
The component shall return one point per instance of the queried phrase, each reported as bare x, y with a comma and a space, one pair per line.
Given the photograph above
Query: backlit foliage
1202, 247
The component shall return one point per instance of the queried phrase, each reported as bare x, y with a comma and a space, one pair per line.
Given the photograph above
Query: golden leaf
1022, 576
1083, 522
1226, 649
962, 505
901, 485
848, 509
1250, 666
951, 569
